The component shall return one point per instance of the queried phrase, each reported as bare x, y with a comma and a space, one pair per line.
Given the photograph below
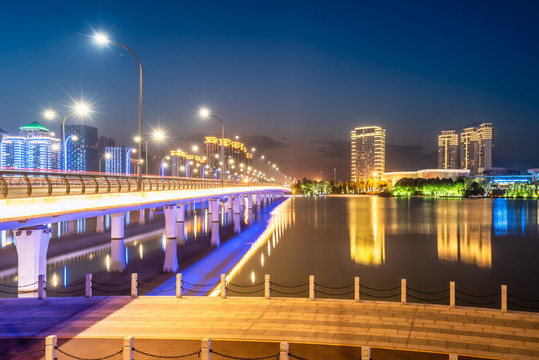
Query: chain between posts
83, 358
275, 356
166, 356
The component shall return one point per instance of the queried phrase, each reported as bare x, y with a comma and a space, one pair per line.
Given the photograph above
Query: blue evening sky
291, 78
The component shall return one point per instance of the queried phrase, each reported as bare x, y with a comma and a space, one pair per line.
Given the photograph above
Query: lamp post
157, 135
187, 168
102, 39
205, 113
128, 160
106, 156
75, 138
164, 164
204, 171
79, 109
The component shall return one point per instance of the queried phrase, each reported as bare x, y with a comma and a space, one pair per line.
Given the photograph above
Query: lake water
478, 243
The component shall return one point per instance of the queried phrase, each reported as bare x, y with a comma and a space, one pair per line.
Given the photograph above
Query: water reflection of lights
262, 259
65, 276
54, 280
367, 246
280, 214
465, 234
252, 277
140, 251
107, 262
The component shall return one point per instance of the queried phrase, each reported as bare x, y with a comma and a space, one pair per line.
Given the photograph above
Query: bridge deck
465, 331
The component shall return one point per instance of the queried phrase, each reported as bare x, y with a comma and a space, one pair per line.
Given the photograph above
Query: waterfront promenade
462, 330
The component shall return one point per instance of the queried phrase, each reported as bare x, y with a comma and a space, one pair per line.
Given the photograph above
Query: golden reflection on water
465, 234
367, 232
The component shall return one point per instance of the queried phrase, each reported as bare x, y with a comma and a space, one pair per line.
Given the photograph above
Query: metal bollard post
50, 347
365, 353
205, 349
223, 286
311, 287
134, 283
504, 298
179, 286
283, 350
356, 289
451, 294
453, 357
403, 291
88, 292
267, 288
128, 345
41, 294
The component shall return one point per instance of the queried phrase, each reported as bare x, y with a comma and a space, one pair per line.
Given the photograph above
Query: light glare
101, 39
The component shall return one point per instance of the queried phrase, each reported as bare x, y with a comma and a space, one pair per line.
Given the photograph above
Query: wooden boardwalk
463, 331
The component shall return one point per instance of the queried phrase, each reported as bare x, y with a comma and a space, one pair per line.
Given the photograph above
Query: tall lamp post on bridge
157, 135
205, 113
103, 40
107, 156
75, 138
80, 109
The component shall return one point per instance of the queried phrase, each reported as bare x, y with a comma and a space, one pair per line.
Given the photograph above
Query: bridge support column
237, 204
365, 353
250, 201
142, 216
189, 207
100, 224
242, 201
209, 206
181, 212
71, 227
229, 202
193, 205
171, 246
117, 248
31, 244
151, 214
258, 199
215, 239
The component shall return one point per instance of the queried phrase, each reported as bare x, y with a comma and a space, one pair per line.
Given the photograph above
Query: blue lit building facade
119, 160
34, 148
82, 154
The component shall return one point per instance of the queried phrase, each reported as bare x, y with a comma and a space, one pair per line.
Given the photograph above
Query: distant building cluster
35, 147
470, 149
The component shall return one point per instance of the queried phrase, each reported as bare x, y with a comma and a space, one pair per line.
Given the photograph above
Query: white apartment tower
368, 152
448, 146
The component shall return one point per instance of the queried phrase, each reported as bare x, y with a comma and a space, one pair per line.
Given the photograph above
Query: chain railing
22, 184
360, 291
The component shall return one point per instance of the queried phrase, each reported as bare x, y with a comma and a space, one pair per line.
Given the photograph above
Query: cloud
336, 149
263, 142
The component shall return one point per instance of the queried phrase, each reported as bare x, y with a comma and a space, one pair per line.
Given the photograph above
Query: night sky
290, 78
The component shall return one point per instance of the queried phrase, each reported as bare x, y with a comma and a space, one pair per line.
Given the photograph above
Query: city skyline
291, 84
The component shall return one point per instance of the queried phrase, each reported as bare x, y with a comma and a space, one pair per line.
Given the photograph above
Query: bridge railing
21, 184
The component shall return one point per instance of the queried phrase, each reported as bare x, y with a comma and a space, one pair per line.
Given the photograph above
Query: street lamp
75, 138
187, 168
164, 164
157, 135
106, 156
80, 109
205, 113
103, 40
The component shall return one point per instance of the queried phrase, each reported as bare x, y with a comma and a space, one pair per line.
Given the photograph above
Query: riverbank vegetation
461, 187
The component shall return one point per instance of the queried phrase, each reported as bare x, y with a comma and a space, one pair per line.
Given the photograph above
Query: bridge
31, 200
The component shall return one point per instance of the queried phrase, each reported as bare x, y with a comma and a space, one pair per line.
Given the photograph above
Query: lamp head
158, 134
81, 108
101, 39
74, 138
204, 112
49, 114
108, 155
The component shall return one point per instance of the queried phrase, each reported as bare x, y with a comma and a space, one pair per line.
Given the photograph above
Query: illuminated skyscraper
235, 154
34, 148
82, 154
476, 148
448, 146
368, 152
119, 161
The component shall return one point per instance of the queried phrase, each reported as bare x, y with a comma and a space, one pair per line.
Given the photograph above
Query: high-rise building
368, 152
485, 145
119, 160
34, 148
82, 154
476, 148
448, 146
235, 155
